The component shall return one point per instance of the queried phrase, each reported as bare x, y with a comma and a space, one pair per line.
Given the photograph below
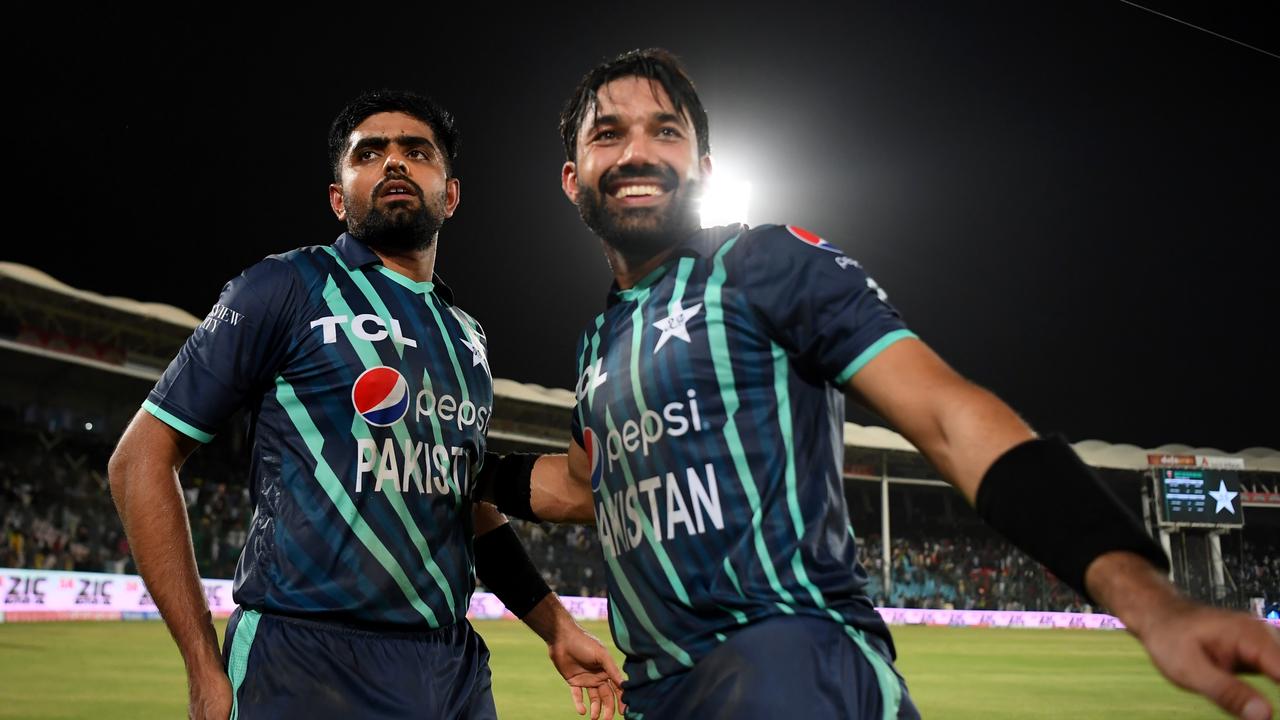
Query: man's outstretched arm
985, 450
143, 472
585, 664
550, 488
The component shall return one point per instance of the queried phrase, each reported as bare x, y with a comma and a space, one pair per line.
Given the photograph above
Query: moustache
377, 189
665, 175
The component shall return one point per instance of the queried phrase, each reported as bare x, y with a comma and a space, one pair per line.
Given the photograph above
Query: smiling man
707, 445
370, 396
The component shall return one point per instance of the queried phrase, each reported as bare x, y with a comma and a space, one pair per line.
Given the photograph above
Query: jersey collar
356, 255
703, 243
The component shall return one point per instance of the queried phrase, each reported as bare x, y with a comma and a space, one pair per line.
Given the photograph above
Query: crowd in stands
1256, 568
56, 511
568, 556
962, 573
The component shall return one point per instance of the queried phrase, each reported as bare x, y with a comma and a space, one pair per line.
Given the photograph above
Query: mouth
638, 192
394, 190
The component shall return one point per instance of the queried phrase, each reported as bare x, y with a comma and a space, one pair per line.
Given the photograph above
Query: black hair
658, 66
380, 101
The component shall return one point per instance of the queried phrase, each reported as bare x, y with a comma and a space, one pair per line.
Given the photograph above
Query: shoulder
275, 285
788, 240
779, 254
296, 270
467, 319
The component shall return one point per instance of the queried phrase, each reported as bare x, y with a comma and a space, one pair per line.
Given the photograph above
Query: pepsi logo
592, 446
381, 396
809, 238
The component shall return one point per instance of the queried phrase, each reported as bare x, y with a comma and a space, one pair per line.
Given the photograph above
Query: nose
638, 150
395, 164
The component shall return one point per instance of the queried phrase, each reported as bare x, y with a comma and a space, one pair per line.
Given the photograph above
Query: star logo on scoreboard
1223, 497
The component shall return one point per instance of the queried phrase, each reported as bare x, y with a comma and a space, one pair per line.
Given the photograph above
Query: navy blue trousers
283, 667
783, 667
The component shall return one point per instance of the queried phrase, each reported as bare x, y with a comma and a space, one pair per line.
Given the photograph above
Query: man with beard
707, 445
370, 396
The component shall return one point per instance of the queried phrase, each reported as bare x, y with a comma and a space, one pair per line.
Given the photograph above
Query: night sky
1075, 205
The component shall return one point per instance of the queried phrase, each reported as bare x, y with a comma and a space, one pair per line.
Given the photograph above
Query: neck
628, 271
417, 265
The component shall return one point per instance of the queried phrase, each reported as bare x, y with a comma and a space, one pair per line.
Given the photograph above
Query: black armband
505, 481
504, 567
1045, 500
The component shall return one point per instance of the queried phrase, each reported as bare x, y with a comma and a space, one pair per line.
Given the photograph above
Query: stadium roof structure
1097, 453
171, 322
13, 274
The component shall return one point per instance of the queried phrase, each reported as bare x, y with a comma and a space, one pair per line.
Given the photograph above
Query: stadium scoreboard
1199, 496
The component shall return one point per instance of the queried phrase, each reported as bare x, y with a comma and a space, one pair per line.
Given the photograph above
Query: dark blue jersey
709, 405
370, 395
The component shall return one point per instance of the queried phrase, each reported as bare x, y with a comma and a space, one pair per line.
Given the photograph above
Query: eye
670, 132
418, 154
606, 135
367, 155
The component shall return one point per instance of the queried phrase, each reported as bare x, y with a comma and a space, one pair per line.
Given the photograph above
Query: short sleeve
582, 390
238, 348
816, 302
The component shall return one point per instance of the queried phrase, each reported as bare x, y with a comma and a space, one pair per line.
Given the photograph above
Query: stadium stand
76, 366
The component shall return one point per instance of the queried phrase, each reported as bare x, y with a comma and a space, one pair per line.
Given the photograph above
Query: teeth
634, 190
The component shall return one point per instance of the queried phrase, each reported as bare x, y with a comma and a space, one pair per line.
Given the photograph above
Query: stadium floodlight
726, 199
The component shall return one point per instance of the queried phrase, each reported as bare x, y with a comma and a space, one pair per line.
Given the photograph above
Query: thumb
611, 668
1229, 692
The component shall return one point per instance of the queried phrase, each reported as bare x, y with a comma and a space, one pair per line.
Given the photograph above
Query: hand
1199, 648
209, 696
589, 669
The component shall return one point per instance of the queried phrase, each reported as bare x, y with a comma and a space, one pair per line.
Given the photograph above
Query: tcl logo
366, 327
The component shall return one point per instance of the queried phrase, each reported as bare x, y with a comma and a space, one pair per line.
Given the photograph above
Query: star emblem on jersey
1223, 497
477, 353
674, 324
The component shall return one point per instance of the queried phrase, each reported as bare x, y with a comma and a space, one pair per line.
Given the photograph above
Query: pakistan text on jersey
432, 469
625, 518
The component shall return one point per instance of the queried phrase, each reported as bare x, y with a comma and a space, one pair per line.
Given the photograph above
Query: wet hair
656, 64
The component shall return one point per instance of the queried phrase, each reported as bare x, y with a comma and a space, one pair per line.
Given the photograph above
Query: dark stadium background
1074, 203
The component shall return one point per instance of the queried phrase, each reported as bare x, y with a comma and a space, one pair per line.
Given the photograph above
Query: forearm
550, 620
149, 499
1131, 588
556, 496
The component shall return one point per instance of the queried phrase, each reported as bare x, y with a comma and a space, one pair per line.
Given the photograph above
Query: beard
641, 233
401, 228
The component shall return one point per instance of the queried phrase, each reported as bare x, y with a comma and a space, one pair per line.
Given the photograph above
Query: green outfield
131, 670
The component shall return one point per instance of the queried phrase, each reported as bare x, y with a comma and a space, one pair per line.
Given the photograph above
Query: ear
569, 181
704, 163
337, 202
452, 196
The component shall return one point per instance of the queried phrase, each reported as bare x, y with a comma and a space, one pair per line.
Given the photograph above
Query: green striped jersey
708, 402
370, 397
